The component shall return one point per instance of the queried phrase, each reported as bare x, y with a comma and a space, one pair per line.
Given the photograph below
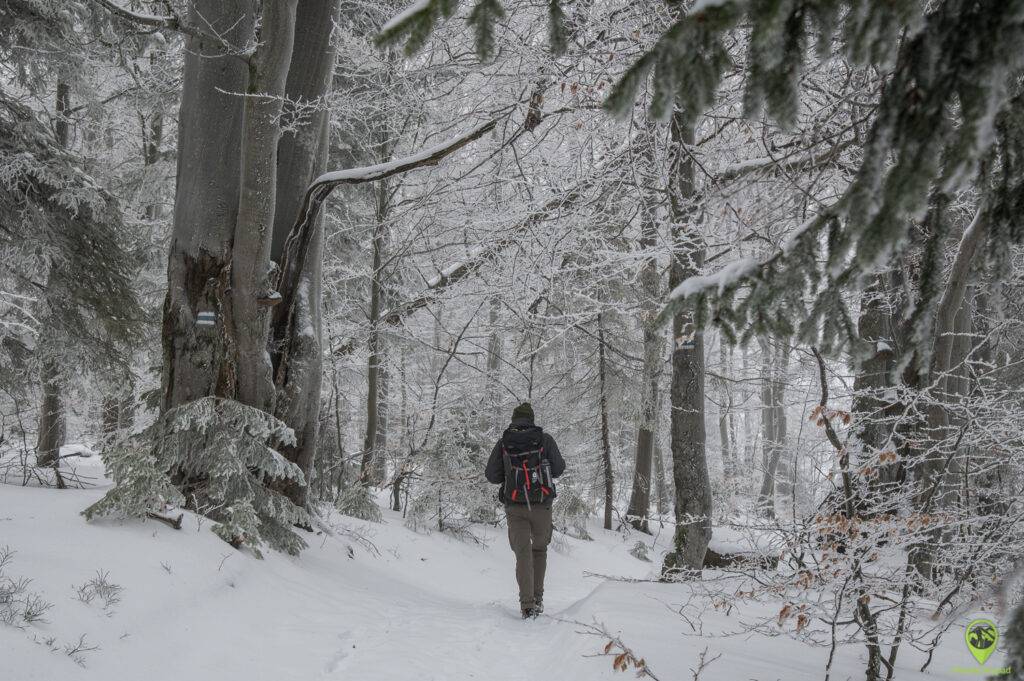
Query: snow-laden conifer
224, 456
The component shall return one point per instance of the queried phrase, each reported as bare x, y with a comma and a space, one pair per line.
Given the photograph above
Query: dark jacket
496, 467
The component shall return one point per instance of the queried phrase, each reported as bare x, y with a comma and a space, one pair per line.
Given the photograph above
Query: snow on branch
170, 21
455, 273
428, 157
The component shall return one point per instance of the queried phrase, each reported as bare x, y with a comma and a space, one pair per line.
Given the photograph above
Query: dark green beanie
523, 411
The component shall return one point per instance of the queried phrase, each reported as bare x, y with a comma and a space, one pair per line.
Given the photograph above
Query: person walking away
525, 462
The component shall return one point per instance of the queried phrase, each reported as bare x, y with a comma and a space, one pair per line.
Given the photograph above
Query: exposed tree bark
606, 451
689, 459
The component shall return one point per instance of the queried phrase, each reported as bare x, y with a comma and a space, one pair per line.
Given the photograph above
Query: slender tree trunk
52, 430
773, 420
373, 368
749, 438
725, 416
493, 376
154, 134
689, 459
640, 498
379, 469
606, 451
661, 494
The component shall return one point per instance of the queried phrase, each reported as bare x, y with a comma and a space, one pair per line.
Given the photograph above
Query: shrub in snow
19, 606
571, 510
640, 551
100, 588
448, 491
357, 501
223, 453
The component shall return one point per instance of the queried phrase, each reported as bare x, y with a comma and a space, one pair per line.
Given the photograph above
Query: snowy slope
420, 607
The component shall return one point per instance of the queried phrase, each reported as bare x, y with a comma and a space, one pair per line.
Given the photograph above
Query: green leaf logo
981, 636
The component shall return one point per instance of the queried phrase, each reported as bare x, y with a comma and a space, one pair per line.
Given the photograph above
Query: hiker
525, 462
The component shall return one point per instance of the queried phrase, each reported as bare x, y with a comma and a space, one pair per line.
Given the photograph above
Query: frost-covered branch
301, 234
170, 22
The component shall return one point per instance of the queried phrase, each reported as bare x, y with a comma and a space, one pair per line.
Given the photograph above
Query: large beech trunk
230, 208
197, 359
297, 322
689, 459
936, 484
251, 277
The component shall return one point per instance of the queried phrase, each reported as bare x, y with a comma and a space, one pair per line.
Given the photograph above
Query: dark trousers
529, 533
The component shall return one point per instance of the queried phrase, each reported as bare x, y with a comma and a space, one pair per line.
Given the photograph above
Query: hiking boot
530, 613
539, 608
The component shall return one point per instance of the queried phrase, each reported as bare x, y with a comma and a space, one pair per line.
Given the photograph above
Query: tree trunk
297, 322
689, 460
640, 498
205, 207
379, 469
873, 379
725, 416
373, 368
52, 430
492, 409
251, 285
934, 472
606, 451
773, 420
227, 206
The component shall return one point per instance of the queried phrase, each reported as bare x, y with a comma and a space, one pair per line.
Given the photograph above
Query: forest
277, 275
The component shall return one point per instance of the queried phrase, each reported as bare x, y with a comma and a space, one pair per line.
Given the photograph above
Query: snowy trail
426, 608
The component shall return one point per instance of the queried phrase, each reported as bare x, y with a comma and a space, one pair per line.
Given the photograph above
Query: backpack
527, 468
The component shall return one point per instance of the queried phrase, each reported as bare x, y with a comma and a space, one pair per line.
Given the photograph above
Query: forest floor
375, 601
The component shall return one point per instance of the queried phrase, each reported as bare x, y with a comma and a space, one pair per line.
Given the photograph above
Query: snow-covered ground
398, 606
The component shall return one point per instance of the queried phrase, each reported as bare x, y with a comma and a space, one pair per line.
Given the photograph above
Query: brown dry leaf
787, 609
801, 621
617, 662
608, 647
